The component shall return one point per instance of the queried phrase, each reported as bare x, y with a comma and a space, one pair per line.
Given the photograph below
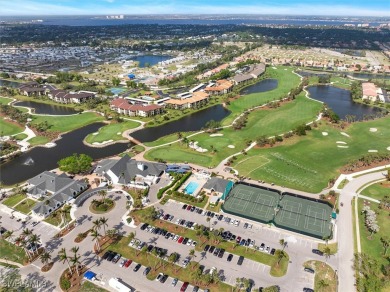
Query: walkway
30, 134
11, 263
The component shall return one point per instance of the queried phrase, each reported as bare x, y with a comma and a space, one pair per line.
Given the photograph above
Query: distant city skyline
108, 7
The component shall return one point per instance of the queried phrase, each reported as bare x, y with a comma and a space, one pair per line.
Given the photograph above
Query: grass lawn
342, 184
5, 100
189, 202
158, 265
12, 252
163, 140
373, 246
68, 123
7, 128
8, 265
25, 206
55, 218
38, 140
248, 253
377, 191
13, 200
264, 122
215, 208
323, 272
286, 81
112, 131
91, 287
20, 136
332, 246
308, 162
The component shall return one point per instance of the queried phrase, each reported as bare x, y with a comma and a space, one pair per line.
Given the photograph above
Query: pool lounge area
193, 185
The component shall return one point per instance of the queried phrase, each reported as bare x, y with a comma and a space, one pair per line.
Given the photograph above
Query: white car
176, 238
236, 223
212, 270
189, 242
204, 213
122, 263
177, 220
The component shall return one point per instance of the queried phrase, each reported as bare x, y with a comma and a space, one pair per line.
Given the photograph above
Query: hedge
181, 181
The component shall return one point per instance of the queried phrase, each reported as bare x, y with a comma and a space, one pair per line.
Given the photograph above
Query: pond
192, 122
8, 83
262, 86
340, 101
47, 109
150, 59
39, 159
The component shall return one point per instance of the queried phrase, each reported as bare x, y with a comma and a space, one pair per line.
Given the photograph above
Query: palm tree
95, 235
238, 283
75, 260
45, 257
103, 222
131, 236
26, 232
283, 243
64, 211
64, 258
103, 195
386, 243
322, 284
34, 239
280, 255
10, 236
96, 225
327, 253
23, 244
208, 219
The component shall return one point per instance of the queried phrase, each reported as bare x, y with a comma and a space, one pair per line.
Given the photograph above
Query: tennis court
287, 211
255, 203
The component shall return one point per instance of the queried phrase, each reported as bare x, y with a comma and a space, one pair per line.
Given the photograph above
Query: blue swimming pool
191, 187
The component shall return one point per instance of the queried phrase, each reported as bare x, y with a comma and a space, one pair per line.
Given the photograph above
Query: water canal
47, 109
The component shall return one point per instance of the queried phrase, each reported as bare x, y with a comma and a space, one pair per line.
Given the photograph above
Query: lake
261, 86
150, 59
43, 158
8, 83
47, 109
192, 122
340, 101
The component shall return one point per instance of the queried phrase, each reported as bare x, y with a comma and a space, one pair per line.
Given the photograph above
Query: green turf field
7, 128
286, 210
112, 131
377, 191
5, 100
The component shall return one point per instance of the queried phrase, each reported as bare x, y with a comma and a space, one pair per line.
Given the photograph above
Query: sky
107, 7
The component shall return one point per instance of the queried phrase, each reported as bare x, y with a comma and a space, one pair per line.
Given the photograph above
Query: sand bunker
119, 133
341, 146
95, 133
373, 130
231, 146
344, 134
341, 142
372, 151
388, 148
216, 135
274, 68
324, 133
196, 147
50, 145
102, 143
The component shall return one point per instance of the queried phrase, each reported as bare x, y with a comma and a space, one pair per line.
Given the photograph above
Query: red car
180, 239
238, 239
189, 207
128, 263
184, 287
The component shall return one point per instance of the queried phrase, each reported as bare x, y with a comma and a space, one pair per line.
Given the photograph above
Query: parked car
317, 251
309, 270
221, 253
212, 270
164, 279
122, 263
196, 288
137, 267
240, 260
268, 249
111, 256
116, 258
262, 246
273, 251
211, 249
180, 239
184, 287
216, 251
143, 227
206, 248
174, 282
106, 254
159, 277
245, 225
184, 206
185, 241
128, 263
308, 290
147, 270
229, 258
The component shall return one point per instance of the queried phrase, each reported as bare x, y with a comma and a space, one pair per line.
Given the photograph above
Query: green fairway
112, 131
163, 140
8, 128
263, 122
308, 162
287, 80
68, 123
377, 191
20, 136
5, 100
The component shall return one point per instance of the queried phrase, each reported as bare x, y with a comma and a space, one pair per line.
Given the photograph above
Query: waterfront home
122, 106
253, 72
31, 89
369, 91
220, 87
130, 172
54, 189
197, 99
64, 96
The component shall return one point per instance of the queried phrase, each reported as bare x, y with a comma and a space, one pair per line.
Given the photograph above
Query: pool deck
194, 178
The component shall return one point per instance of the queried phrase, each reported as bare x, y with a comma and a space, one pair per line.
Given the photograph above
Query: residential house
253, 72
64, 96
54, 189
122, 106
31, 89
369, 91
130, 172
